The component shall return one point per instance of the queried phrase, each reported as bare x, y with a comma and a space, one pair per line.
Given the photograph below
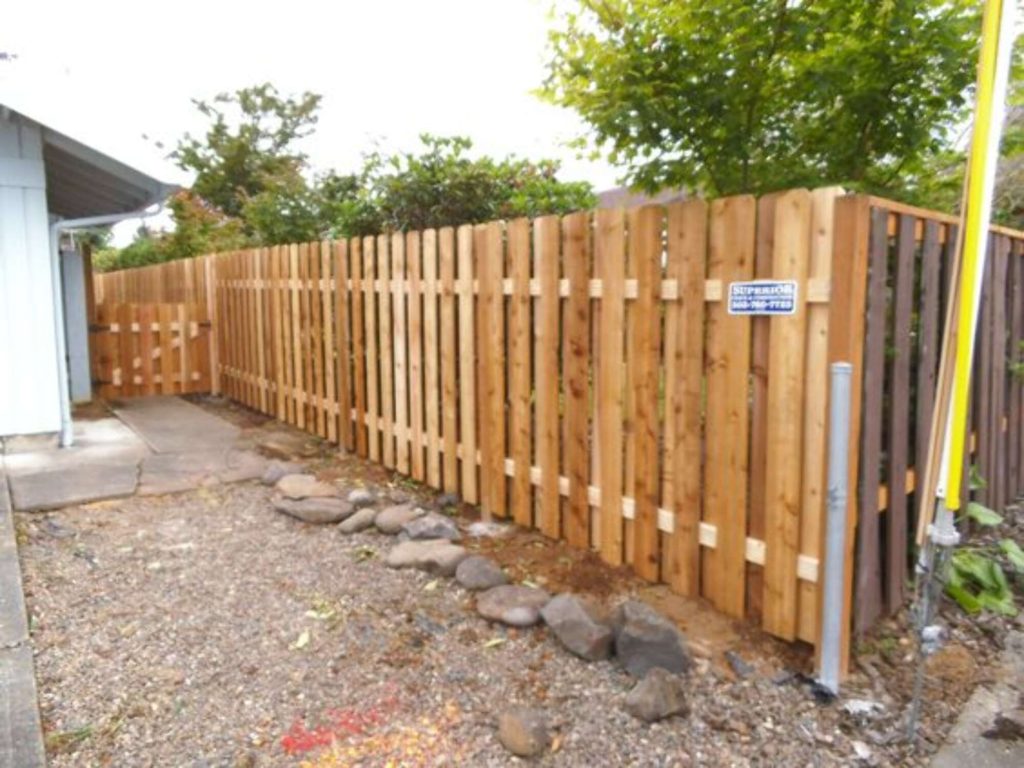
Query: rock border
645, 644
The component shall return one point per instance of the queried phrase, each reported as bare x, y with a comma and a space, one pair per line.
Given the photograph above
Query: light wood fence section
580, 375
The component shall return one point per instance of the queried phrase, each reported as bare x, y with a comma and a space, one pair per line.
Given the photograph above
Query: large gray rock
360, 520
304, 487
578, 627
479, 572
512, 604
437, 556
644, 639
392, 519
277, 469
524, 732
659, 695
320, 510
361, 497
432, 526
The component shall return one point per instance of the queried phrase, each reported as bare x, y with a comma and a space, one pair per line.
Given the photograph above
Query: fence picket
545, 356
730, 258
520, 386
575, 368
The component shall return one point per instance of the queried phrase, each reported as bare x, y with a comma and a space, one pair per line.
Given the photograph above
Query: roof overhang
83, 182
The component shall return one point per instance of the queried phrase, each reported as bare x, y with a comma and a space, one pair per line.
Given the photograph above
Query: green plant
976, 579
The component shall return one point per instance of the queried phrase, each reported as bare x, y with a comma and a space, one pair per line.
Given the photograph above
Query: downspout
59, 226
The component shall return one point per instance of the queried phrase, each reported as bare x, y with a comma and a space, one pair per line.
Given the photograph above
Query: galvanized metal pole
830, 658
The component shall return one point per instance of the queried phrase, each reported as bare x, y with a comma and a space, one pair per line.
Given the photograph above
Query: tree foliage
249, 145
443, 186
253, 188
729, 96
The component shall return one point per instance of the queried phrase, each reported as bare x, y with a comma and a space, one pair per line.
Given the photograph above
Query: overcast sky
108, 73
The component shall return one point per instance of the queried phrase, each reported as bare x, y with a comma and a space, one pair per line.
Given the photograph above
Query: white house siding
29, 389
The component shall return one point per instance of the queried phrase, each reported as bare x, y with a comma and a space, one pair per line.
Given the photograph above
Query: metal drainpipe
66, 225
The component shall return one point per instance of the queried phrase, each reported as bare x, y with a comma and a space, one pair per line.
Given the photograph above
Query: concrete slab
21, 733
79, 484
97, 441
174, 472
966, 746
172, 425
13, 622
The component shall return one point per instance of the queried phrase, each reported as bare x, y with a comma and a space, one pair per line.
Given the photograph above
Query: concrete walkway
155, 445
151, 446
21, 733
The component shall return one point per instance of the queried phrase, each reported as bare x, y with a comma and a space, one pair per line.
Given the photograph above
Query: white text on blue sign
763, 297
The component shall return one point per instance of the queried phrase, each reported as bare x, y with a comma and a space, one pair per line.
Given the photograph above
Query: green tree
249, 146
293, 211
443, 186
729, 96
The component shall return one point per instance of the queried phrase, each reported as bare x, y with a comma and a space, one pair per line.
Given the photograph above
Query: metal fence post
830, 657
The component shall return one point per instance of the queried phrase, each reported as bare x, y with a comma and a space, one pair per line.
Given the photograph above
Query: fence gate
149, 349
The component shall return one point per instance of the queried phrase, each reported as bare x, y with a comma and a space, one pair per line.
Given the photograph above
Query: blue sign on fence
763, 297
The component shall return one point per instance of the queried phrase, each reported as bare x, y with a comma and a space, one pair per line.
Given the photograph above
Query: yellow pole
975, 229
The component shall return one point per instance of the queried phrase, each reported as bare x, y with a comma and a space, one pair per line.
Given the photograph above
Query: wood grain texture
467, 366
390, 270
414, 273
575, 371
610, 264
645, 243
547, 237
449, 361
730, 258
686, 262
520, 384
785, 429
431, 359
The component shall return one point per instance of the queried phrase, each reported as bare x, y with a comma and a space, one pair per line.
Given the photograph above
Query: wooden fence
149, 349
582, 375
910, 254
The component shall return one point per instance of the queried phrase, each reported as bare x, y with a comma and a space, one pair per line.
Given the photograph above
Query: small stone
658, 695
432, 526
645, 639
512, 604
479, 572
524, 732
483, 529
578, 628
437, 556
277, 469
361, 497
447, 500
739, 665
392, 519
1009, 726
360, 521
304, 487
315, 510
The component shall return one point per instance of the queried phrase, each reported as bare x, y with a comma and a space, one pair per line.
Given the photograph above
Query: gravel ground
205, 629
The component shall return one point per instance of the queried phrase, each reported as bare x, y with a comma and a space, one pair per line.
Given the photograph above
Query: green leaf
1000, 603
964, 599
982, 515
1013, 553
977, 568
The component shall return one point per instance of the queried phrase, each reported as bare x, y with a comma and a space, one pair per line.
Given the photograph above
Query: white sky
108, 72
